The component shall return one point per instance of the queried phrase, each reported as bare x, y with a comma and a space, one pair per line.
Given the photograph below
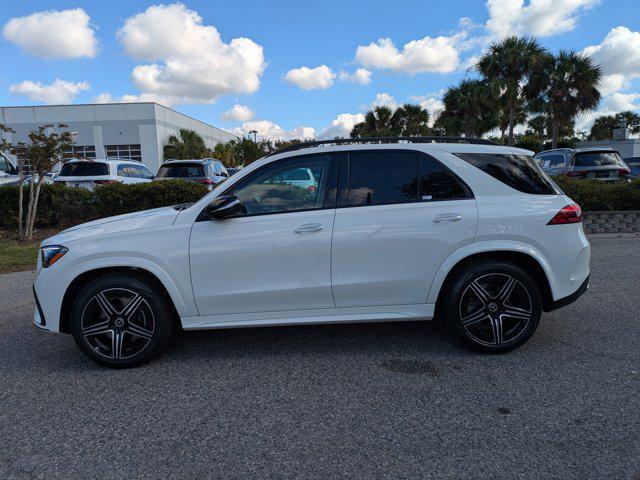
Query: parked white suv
91, 173
472, 232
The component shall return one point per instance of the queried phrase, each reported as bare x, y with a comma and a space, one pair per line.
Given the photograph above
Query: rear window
182, 170
517, 171
299, 174
596, 159
84, 169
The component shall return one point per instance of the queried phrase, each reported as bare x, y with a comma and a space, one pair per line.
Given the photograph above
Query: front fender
484, 247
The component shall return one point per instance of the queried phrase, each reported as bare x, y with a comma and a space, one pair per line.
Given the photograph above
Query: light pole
255, 135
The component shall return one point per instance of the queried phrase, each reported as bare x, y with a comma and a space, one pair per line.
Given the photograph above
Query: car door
400, 214
277, 256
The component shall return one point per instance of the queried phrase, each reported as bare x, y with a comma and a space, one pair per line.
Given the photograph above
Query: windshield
597, 159
84, 169
181, 170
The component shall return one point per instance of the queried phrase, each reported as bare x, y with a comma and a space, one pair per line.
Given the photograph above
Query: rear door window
596, 159
181, 170
439, 183
378, 178
519, 172
84, 169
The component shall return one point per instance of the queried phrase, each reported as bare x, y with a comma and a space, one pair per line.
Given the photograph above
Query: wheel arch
528, 259
89, 275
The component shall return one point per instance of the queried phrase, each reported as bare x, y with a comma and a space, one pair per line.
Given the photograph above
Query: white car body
120, 171
367, 263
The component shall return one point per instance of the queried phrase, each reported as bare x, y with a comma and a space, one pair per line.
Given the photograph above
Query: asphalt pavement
386, 400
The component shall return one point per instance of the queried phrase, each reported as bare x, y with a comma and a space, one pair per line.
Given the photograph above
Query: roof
103, 160
579, 150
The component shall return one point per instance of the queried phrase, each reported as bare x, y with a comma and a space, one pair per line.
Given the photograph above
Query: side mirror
226, 206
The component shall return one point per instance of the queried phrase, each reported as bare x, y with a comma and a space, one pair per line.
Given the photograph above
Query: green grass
16, 255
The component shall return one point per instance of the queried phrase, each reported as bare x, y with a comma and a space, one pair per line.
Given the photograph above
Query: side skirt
311, 317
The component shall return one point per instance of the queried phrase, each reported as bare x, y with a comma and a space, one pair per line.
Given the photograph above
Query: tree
469, 108
506, 66
189, 145
379, 122
537, 126
414, 120
225, 152
520, 116
247, 151
603, 126
561, 86
45, 148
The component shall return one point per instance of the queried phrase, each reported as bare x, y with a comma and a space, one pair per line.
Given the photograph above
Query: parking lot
380, 400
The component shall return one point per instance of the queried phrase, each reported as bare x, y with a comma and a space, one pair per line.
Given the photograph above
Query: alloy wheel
495, 309
117, 323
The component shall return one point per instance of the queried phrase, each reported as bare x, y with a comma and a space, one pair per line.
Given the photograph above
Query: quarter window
438, 183
288, 186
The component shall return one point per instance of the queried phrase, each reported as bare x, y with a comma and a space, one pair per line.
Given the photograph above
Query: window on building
80, 151
129, 152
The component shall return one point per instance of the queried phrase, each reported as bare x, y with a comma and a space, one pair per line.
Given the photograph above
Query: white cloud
272, 131
541, 18
361, 76
60, 91
53, 34
619, 52
384, 100
428, 54
191, 62
311, 78
238, 113
613, 83
614, 103
106, 97
342, 125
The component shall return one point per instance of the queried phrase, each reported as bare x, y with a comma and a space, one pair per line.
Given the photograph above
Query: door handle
309, 227
448, 217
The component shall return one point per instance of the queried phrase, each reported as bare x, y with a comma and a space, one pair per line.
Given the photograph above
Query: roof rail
342, 141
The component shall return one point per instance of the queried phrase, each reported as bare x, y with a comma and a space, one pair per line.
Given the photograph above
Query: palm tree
379, 122
506, 66
602, 128
414, 120
469, 108
520, 116
561, 86
189, 145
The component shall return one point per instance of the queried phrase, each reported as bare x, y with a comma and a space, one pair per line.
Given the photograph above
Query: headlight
51, 254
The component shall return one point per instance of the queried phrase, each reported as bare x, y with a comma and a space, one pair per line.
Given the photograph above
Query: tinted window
181, 170
272, 189
84, 169
6, 166
596, 159
125, 171
517, 171
633, 161
556, 161
377, 178
438, 183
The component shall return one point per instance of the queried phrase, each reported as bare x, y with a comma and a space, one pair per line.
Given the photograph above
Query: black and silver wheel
494, 306
119, 321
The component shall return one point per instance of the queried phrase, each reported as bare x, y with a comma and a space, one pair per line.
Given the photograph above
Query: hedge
62, 207
595, 195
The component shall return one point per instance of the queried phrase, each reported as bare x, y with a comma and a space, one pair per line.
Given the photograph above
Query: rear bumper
563, 302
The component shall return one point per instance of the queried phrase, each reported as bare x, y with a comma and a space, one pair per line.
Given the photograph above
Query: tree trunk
34, 209
511, 122
502, 133
29, 207
554, 132
20, 199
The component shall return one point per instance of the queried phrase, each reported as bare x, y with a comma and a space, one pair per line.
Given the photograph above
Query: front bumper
39, 319
563, 302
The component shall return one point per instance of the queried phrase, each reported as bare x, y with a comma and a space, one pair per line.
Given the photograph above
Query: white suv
472, 232
91, 173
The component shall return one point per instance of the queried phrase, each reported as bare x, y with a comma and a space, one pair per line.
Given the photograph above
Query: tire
494, 306
120, 321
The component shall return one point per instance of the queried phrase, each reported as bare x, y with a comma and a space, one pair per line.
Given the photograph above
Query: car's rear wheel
120, 321
495, 306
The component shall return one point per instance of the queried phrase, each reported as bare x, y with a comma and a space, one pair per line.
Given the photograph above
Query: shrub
61, 206
594, 195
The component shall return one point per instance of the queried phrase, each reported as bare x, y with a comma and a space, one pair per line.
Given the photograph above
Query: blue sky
187, 66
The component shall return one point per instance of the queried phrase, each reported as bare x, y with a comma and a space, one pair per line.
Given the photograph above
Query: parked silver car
207, 171
590, 163
91, 173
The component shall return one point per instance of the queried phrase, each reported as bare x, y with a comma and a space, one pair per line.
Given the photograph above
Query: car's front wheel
120, 321
495, 306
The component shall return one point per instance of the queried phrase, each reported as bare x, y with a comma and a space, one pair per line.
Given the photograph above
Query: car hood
157, 217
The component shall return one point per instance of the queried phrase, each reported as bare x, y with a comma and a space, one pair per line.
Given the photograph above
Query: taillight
576, 174
624, 171
104, 182
205, 181
311, 188
569, 214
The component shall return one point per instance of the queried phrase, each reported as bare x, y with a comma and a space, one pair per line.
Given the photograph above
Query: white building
137, 131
